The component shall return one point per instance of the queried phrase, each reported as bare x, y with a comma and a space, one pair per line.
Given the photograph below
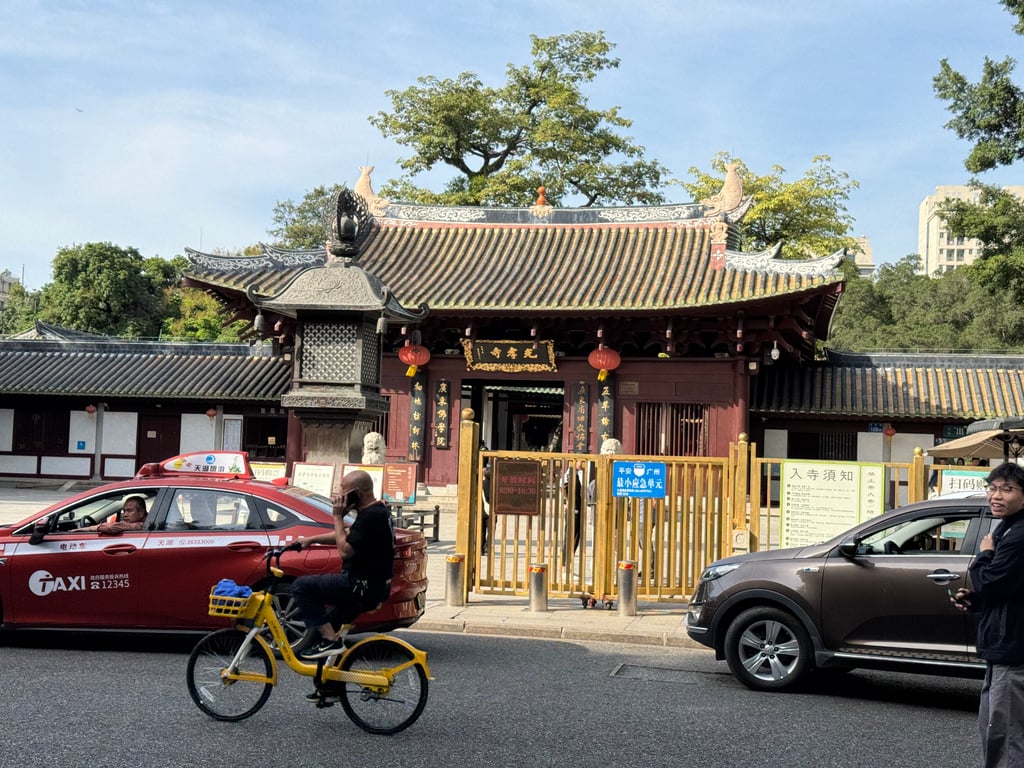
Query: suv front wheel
768, 649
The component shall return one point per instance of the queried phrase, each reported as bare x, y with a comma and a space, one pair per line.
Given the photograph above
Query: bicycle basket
222, 605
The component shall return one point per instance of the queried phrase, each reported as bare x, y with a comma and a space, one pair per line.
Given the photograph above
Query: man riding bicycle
366, 549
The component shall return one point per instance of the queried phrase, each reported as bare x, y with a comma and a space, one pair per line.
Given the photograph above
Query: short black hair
1010, 471
141, 501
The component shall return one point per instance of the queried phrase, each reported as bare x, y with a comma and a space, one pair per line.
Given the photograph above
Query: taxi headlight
713, 572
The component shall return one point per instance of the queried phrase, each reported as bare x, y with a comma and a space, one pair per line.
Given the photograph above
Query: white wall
75, 466
82, 432
118, 467
197, 432
776, 443
6, 429
120, 432
18, 465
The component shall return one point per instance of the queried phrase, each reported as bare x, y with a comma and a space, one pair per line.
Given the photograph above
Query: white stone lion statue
373, 448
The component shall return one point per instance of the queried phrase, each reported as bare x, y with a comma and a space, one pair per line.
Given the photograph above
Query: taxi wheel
768, 649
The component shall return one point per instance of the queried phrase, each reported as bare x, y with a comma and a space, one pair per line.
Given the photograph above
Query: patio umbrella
988, 444
987, 439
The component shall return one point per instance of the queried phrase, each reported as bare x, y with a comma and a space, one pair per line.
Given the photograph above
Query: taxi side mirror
39, 531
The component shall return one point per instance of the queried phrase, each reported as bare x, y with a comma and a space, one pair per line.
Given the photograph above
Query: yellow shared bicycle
380, 681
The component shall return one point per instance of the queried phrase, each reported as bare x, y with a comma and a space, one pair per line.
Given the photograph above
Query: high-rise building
7, 281
940, 251
864, 257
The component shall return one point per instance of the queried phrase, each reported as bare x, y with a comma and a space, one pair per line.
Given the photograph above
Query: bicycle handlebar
273, 555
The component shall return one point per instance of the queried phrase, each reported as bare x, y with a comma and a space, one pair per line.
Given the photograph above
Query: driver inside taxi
133, 515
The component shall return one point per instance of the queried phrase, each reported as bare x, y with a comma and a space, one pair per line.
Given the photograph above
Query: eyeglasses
1003, 489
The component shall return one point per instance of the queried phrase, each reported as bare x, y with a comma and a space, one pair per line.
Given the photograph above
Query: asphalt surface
656, 624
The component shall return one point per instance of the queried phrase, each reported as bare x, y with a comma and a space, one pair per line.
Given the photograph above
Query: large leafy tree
19, 311
103, 288
537, 129
808, 216
302, 225
898, 308
990, 115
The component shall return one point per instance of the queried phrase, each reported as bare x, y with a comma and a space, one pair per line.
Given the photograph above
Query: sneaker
323, 649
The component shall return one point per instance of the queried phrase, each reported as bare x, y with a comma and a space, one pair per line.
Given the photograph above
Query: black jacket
997, 594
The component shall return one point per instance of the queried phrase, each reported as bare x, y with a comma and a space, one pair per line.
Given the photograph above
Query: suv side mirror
848, 548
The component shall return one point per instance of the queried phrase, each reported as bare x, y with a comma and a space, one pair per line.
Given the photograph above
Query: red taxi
207, 519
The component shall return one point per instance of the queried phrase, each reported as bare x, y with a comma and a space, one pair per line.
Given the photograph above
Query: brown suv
875, 596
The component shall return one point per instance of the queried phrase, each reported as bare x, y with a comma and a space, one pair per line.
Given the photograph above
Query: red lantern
413, 355
889, 430
90, 409
212, 413
604, 359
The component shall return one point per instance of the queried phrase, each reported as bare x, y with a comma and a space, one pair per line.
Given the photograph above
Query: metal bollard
626, 575
454, 594
539, 587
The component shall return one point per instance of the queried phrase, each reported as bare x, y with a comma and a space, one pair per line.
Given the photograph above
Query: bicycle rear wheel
231, 699
396, 708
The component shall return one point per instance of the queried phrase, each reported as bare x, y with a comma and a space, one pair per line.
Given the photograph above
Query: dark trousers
1001, 715
335, 598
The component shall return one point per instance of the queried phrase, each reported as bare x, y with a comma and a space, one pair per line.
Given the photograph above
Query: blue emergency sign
638, 479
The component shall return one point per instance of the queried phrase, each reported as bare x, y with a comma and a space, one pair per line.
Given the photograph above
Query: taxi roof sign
223, 464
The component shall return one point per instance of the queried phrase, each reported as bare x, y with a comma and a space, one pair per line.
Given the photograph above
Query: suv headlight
713, 572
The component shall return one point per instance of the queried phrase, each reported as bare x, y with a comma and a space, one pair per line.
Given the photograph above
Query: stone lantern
341, 312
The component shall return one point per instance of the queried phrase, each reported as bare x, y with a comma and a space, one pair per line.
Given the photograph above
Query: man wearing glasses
367, 551
997, 596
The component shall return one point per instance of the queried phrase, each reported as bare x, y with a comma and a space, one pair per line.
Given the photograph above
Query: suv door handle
942, 576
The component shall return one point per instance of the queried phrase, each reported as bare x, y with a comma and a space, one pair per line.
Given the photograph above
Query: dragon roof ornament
768, 262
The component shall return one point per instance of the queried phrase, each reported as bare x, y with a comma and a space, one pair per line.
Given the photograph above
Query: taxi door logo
42, 583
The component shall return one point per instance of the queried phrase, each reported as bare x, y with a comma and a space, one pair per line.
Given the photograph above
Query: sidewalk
565, 619
654, 624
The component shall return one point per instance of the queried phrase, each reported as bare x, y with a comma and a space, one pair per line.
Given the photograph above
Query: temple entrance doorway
517, 417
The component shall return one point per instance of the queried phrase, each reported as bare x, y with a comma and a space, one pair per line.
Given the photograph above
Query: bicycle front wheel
392, 710
228, 699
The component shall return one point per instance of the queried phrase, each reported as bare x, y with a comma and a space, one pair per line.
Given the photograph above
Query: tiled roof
894, 386
623, 269
619, 266
141, 369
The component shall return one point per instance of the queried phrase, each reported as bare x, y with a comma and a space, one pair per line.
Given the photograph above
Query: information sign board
639, 479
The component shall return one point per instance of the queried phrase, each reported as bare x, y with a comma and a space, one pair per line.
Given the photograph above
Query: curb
547, 632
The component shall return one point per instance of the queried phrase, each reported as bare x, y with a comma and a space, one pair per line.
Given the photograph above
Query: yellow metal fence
710, 506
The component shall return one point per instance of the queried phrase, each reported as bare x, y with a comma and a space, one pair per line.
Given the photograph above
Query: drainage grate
660, 674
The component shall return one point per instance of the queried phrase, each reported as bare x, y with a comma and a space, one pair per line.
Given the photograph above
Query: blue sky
180, 123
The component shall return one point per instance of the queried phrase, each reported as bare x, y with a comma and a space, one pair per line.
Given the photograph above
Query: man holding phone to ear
997, 596
366, 549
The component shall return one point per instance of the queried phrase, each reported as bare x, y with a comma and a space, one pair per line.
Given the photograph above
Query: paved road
68, 700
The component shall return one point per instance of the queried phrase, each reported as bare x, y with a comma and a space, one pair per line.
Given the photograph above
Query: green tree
302, 225
990, 115
900, 309
200, 317
191, 314
808, 216
103, 288
19, 311
536, 130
